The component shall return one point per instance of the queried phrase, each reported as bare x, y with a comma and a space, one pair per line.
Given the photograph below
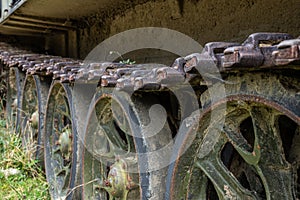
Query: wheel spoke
241, 144
100, 144
273, 169
120, 118
113, 135
267, 137
225, 183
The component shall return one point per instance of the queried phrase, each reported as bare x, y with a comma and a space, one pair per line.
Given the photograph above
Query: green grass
30, 182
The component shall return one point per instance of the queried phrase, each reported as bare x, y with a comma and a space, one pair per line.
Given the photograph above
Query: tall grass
20, 175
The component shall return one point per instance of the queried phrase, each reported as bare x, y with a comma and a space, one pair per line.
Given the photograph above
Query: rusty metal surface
254, 52
260, 50
287, 52
205, 160
277, 52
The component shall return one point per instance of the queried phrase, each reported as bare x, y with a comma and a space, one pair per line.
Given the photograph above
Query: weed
20, 175
123, 61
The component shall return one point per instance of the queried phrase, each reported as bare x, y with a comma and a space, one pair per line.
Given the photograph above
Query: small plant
128, 62
123, 61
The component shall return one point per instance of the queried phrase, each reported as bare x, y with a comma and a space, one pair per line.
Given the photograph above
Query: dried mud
202, 20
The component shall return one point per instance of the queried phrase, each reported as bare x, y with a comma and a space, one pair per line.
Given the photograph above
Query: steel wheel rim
97, 159
14, 93
59, 155
32, 115
29, 111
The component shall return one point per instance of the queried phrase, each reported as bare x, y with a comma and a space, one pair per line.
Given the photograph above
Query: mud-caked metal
250, 151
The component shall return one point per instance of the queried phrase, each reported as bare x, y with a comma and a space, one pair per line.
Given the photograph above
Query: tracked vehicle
217, 123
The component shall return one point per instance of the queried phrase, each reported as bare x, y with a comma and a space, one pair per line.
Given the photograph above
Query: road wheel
60, 142
249, 151
15, 84
35, 92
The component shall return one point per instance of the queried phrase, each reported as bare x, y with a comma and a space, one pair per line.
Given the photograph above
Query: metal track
209, 146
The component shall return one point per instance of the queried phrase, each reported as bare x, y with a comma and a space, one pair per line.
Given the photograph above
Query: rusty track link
260, 51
